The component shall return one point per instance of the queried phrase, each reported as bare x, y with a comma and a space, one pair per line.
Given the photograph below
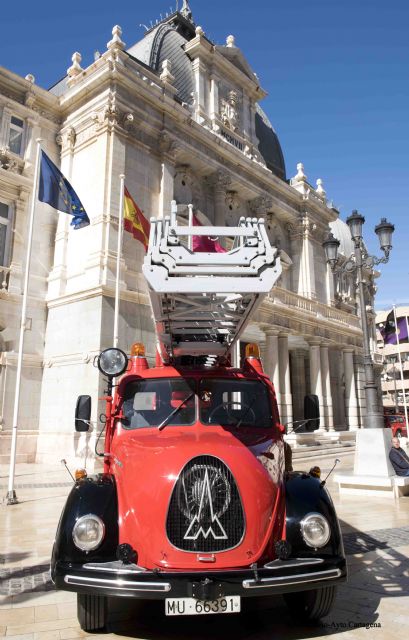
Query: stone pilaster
168, 148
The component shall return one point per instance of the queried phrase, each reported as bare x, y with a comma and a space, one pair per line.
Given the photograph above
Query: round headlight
112, 362
88, 532
315, 530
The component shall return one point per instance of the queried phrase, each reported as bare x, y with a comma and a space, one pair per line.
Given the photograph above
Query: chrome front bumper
279, 576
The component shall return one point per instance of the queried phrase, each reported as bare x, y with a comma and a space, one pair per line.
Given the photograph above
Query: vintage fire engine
195, 506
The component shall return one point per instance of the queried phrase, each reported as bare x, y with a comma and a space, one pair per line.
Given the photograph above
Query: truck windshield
148, 403
235, 403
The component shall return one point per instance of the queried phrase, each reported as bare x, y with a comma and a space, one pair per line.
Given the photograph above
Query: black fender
97, 495
306, 494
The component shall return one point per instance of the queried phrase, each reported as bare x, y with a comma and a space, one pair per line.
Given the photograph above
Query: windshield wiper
174, 412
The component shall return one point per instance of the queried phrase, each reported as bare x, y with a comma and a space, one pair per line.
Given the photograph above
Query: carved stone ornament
7, 162
232, 200
167, 145
66, 139
109, 115
229, 111
261, 205
29, 99
219, 180
184, 174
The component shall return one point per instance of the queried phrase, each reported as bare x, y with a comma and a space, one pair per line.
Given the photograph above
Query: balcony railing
4, 279
313, 307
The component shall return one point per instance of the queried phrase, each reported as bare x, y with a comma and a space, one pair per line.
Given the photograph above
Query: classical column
270, 361
221, 182
286, 405
316, 379
326, 389
351, 402
302, 254
298, 383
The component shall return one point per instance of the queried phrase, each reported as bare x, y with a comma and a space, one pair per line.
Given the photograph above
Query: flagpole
118, 257
401, 368
11, 497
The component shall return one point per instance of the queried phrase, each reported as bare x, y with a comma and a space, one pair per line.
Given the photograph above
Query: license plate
193, 607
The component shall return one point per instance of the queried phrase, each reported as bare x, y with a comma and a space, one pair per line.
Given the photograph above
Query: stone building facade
180, 117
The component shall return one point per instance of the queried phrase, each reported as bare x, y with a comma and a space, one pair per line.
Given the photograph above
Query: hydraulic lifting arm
202, 302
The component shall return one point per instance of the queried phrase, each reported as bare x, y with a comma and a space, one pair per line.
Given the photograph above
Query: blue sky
335, 70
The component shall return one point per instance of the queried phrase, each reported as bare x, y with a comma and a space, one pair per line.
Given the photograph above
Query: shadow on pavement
376, 572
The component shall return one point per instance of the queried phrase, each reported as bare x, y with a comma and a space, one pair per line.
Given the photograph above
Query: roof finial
185, 10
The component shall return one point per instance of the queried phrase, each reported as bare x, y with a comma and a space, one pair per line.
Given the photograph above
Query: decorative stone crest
229, 111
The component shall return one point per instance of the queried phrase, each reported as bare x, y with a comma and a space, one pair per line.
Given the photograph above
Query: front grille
205, 510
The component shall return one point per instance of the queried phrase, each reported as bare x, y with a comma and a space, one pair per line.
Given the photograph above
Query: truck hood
147, 465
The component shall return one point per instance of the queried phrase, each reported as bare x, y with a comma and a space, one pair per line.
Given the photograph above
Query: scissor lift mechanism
201, 302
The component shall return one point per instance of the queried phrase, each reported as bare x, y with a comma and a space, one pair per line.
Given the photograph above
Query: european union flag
55, 189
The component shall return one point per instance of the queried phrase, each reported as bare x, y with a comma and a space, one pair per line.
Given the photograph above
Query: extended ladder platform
201, 302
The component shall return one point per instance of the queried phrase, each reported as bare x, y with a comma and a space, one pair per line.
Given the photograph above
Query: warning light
138, 349
80, 474
315, 472
252, 350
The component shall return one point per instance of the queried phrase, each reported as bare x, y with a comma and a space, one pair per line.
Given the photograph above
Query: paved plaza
374, 603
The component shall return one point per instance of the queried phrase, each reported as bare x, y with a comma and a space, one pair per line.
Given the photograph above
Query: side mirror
83, 413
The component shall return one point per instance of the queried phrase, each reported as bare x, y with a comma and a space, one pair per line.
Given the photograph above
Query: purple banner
401, 330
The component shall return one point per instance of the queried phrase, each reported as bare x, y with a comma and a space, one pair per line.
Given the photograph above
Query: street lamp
358, 260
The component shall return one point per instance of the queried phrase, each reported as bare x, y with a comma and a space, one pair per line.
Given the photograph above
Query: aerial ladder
202, 301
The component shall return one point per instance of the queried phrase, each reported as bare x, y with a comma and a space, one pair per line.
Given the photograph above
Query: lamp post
355, 264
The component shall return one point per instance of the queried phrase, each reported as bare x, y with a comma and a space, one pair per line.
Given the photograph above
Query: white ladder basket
201, 302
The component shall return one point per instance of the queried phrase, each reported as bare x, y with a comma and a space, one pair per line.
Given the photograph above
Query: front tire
311, 605
91, 611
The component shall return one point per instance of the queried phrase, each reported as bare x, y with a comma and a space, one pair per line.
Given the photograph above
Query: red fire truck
195, 506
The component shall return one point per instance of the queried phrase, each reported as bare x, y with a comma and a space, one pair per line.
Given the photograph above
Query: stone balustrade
4, 279
318, 309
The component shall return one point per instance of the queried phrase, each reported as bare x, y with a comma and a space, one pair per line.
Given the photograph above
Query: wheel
311, 605
91, 611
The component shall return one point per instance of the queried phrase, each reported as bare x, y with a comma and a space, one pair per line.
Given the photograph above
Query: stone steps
20, 457
315, 453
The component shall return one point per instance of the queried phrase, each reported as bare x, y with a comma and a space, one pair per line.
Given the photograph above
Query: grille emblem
197, 526
205, 513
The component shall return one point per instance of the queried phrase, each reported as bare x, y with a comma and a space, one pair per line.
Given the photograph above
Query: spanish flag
134, 220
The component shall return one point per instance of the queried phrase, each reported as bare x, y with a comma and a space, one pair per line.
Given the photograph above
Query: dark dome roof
165, 42
269, 145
